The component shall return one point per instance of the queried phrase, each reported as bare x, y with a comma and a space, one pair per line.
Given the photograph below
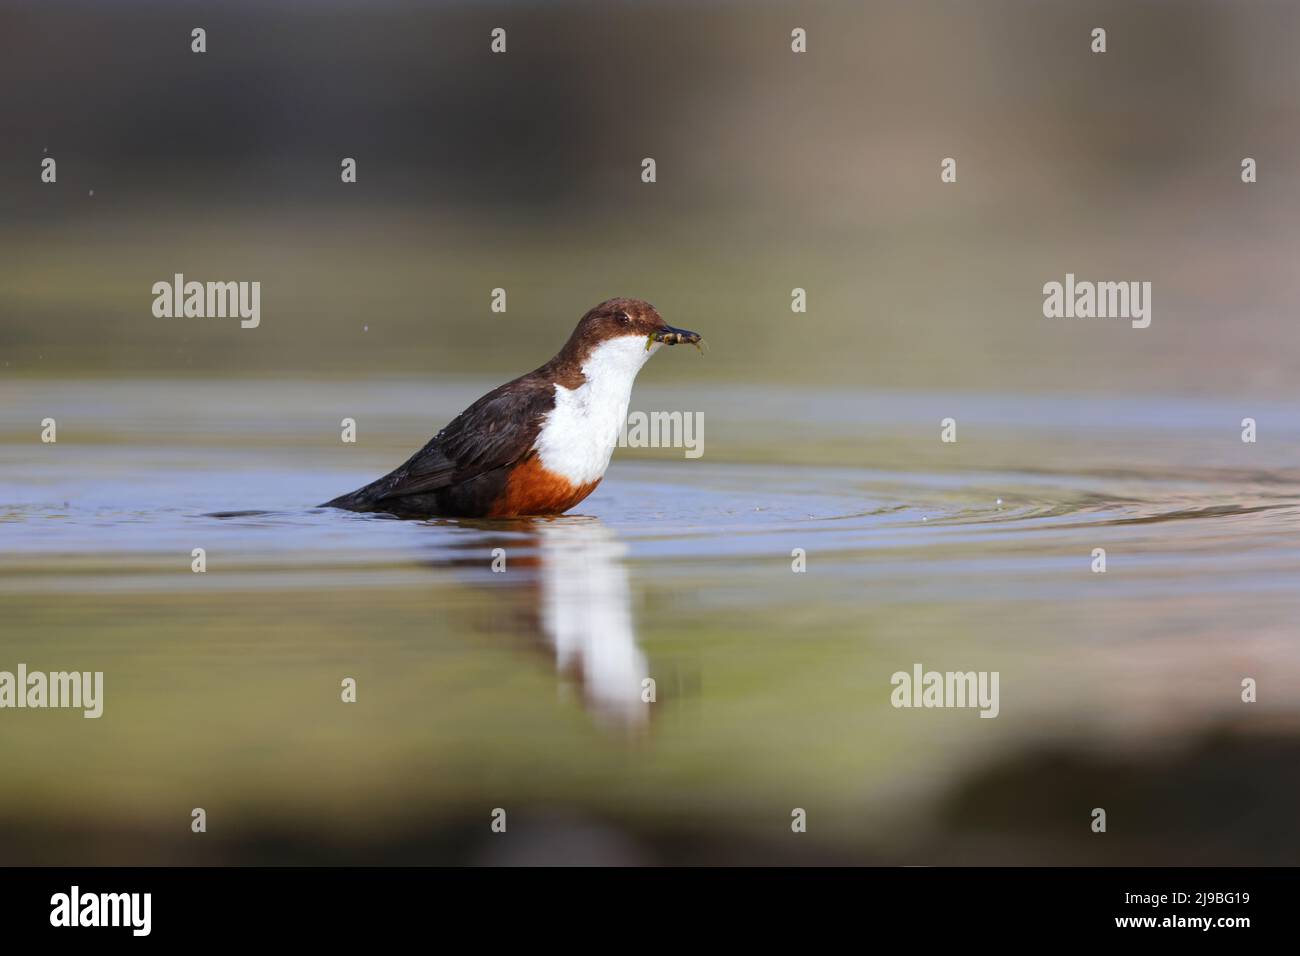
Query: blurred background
775, 170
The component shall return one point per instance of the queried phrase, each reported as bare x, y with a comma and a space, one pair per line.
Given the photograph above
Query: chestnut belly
533, 490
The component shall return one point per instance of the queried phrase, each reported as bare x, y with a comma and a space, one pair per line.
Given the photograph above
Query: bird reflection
587, 616
571, 576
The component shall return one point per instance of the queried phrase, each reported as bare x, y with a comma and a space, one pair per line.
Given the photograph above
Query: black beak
671, 336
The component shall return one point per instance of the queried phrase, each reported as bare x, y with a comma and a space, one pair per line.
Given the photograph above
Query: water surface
523, 688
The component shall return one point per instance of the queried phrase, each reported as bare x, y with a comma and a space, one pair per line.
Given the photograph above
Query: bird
537, 445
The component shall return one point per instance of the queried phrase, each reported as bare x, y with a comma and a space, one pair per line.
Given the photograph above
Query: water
522, 688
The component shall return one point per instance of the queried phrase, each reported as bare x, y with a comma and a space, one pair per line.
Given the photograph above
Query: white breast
578, 436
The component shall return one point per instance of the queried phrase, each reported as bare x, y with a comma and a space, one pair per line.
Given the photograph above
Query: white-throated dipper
537, 445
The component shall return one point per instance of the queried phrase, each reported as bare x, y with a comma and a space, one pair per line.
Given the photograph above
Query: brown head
618, 319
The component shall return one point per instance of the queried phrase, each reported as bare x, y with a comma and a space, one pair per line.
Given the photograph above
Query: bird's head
624, 326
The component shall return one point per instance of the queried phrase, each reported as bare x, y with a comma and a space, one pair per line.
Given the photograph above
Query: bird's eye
625, 318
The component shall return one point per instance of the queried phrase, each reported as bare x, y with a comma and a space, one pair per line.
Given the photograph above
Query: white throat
578, 436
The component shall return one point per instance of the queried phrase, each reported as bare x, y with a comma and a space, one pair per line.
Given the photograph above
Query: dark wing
497, 430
